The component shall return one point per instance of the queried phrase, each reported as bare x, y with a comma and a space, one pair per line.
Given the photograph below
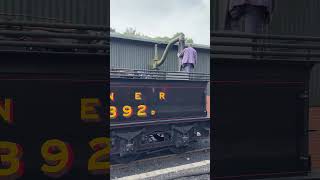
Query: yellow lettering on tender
88, 109
6, 110
112, 96
162, 96
11, 159
138, 96
98, 162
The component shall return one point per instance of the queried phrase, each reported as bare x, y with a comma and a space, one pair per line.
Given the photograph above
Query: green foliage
133, 32
189, 40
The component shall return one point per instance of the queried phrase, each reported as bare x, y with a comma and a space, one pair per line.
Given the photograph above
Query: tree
164, 38
130, 31
189, 40
133, 32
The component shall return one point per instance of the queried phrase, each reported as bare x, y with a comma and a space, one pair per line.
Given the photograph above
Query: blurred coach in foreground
248, 16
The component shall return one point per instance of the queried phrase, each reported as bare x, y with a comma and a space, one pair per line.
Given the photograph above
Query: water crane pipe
156, 62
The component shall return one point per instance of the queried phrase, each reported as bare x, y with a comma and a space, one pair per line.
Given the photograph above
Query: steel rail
163, 157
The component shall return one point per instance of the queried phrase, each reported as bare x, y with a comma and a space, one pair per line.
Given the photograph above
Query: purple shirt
189, 55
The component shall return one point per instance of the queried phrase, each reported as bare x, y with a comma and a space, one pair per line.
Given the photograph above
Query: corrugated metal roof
136, 38
138, 53
93, 12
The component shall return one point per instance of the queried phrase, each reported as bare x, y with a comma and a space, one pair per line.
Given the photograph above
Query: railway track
161, 157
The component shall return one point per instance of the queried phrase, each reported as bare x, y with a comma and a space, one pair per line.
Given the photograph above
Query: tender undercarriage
130, 142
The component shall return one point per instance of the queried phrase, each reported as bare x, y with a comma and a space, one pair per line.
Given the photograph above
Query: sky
163, 17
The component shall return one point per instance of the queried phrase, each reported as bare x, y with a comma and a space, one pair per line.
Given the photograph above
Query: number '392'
127, 111
57, 158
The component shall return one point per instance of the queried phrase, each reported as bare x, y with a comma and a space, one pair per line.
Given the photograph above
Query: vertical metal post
156, 51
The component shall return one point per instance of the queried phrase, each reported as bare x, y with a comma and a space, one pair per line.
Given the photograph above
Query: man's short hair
190, 45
